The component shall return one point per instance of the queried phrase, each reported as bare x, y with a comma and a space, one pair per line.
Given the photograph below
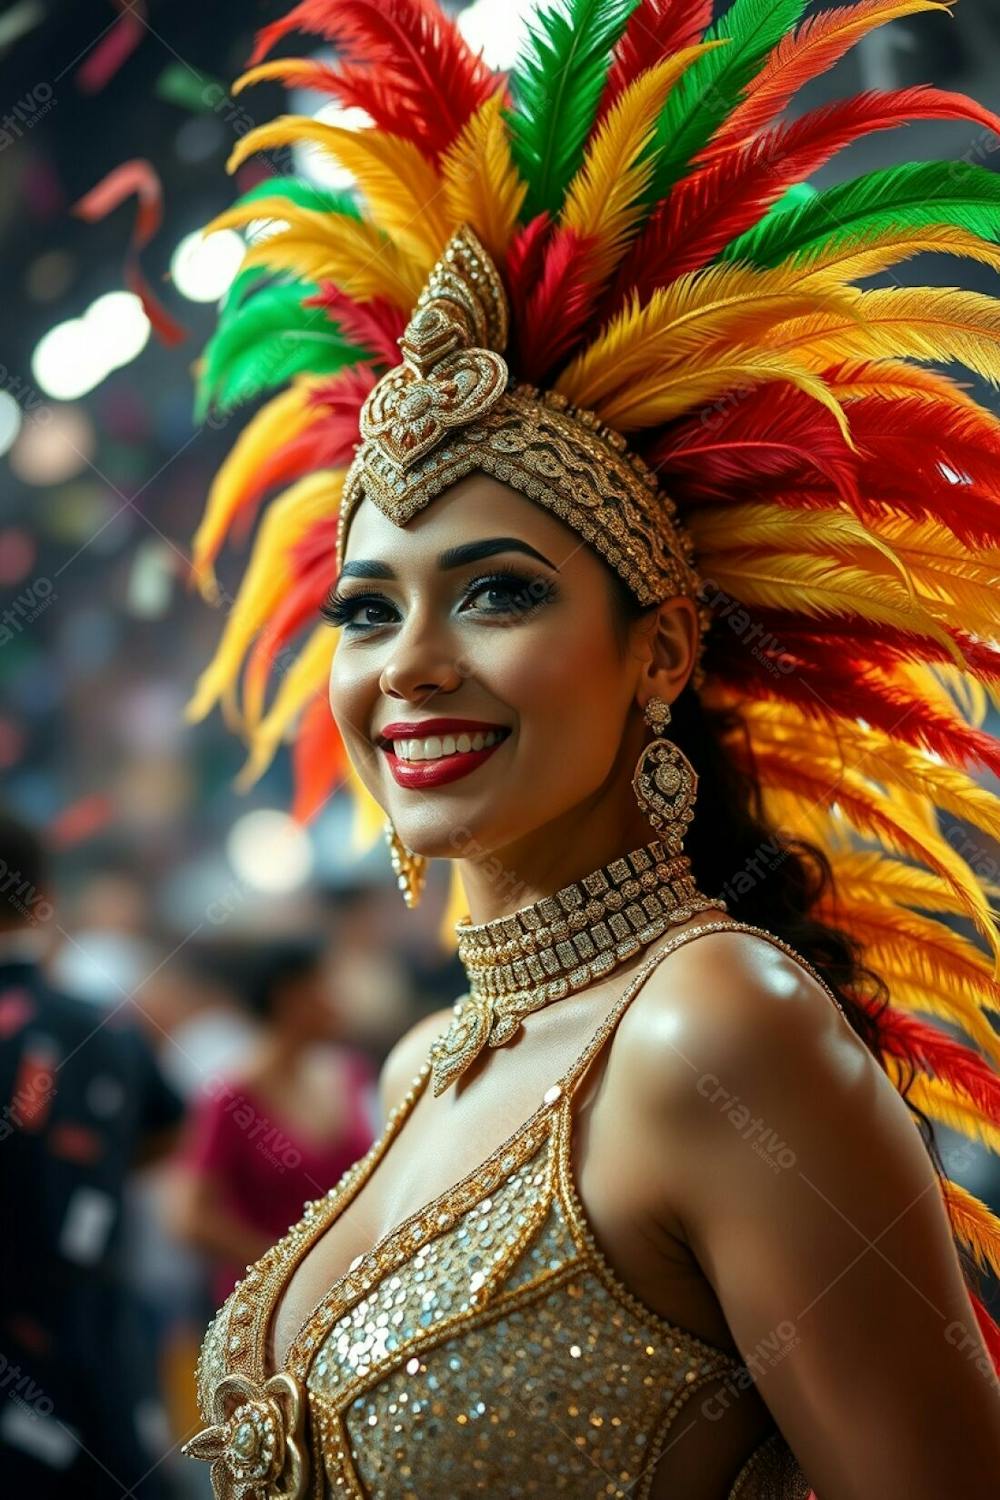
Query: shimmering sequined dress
483, 1347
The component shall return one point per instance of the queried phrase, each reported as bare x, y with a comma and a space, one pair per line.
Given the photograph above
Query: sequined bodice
483, 1347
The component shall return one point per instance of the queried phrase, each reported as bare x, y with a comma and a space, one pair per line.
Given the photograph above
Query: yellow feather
819, 588
892, 378
941, 1101
687, 387
718, 305
354, 253
605, 198
303, 680
867, 875
850, 262
725, 528
481, 185
885, 759
403, 191
952, 583
926, 944
924, 323
282, 419
799, 765
910, 992
368, 820
267, 576
975, 1224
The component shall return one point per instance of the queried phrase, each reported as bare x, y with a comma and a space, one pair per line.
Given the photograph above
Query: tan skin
832, 1273
289, 1073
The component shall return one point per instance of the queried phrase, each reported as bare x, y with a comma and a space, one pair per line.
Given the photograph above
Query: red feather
413, 52
376, 325
706, 210
865, 640
326, 444
319, 760
989, 1329
656, 29
822, 679
374, 91
770, 433
313, 570
934, 1051
523, 264
556, 307
807, 52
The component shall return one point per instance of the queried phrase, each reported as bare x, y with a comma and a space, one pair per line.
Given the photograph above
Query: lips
452, 753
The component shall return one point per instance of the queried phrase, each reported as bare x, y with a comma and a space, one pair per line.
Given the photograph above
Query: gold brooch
255, 1445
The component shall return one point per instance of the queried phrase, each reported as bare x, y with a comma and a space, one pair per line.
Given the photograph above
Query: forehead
476, 506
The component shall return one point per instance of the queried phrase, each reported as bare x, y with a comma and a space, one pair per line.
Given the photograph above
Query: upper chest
447, 1149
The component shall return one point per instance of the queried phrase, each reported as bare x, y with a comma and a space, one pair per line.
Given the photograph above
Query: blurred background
202, 930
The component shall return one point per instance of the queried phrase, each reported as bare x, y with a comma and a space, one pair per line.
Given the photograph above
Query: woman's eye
510, 597
362, 612
514, 595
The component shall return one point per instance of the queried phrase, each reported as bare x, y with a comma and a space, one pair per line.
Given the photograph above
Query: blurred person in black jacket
82, 1102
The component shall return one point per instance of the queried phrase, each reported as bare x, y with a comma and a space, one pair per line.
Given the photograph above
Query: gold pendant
452, 1052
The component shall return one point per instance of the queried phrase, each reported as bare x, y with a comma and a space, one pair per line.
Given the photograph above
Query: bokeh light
269, 850
203, 265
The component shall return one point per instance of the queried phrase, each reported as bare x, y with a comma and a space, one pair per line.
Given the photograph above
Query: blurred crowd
165, 1116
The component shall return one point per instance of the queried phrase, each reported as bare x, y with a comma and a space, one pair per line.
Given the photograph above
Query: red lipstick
418, 774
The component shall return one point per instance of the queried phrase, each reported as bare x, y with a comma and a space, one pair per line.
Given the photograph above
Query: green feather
556, 86
712, 86
907, 196
268, 340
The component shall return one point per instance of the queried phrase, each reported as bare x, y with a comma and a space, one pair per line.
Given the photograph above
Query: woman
649, 1215
295, 1118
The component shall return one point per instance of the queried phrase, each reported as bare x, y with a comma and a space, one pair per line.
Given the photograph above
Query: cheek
567, 683
353, 691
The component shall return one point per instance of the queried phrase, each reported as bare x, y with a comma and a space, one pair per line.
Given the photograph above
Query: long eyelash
339, 611
546, 588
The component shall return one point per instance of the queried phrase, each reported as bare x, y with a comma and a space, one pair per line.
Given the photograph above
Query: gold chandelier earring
665, 782
410, 869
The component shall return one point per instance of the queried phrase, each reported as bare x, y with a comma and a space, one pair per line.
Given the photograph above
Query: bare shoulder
407, 1056
790, 1164
732, 1002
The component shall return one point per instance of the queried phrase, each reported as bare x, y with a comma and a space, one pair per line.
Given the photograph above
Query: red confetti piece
113, 49
136, 178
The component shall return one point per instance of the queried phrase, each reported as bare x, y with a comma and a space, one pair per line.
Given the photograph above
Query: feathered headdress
667, 271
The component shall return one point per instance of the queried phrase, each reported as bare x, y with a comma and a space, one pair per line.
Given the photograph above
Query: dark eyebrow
453, 558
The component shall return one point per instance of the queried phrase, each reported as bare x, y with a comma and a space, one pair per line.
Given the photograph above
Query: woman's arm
195, 1215
813, 1208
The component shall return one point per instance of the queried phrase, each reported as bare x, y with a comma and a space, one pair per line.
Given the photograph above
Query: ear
670, 642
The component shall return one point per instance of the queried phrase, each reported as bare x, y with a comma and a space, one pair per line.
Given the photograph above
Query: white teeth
435, 747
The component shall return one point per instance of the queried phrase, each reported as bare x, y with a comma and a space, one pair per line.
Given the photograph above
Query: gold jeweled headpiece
450, 409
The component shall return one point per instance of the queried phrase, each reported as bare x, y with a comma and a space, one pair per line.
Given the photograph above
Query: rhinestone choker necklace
560, 944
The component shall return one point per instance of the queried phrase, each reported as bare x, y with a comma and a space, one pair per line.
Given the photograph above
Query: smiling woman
663, 590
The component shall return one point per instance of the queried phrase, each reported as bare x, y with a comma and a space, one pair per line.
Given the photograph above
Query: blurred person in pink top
281, 1130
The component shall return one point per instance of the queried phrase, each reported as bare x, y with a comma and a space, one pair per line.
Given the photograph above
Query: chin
453, 833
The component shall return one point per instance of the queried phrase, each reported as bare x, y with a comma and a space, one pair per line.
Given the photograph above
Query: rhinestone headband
452, 408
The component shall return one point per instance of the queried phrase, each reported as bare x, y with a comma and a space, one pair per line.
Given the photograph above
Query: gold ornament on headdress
450, 409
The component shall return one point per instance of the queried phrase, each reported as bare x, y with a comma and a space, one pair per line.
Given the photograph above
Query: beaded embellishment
450, 408
560, 944
500, 1273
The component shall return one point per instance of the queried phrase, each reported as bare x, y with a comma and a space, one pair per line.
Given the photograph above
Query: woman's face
478, 683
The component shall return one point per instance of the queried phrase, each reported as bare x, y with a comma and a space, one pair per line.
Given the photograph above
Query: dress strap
572, 1078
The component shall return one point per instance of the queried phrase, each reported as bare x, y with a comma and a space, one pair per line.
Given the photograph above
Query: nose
421, 665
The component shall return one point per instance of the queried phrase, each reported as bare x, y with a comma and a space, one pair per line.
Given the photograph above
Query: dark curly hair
730, 835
